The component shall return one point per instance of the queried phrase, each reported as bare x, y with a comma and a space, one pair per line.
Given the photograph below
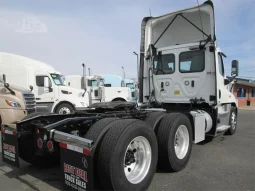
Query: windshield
92, 83
58, 79
130, 85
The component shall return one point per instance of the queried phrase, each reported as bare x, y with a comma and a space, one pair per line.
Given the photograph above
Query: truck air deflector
182, 27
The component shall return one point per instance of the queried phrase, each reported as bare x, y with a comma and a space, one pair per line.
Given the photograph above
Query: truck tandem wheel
153, 117
127, 157
174, 141
98, 127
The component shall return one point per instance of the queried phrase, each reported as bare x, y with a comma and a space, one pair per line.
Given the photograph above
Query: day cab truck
103, 88
130, 83
15, 103
115, 89
51, 94
117, 146
95, 85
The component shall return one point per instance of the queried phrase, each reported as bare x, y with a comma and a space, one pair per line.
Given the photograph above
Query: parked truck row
184, 99
55, 93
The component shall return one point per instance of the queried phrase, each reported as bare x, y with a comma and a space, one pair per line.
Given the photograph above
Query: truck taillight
39, 143
50, 145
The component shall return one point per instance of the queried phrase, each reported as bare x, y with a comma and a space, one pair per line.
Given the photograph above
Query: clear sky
103, 34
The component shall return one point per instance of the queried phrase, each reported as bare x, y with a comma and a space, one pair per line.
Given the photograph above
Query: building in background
244, 90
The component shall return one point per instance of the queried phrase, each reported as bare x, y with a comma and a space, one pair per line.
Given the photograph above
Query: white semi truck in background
95, 85
100, 92
46, 83
116, 146
130, 83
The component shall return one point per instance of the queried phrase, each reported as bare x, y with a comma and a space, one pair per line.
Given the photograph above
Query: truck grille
29, 99
96, 93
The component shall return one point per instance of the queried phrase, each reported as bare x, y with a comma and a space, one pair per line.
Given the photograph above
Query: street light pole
137, 64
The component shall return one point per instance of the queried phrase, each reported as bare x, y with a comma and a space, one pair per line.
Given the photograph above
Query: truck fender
119, 99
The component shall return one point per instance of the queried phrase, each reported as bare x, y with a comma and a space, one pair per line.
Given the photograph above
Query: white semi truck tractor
51, 95
117, 146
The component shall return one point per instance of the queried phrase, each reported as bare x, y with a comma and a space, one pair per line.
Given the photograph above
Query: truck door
44, 94
223, 92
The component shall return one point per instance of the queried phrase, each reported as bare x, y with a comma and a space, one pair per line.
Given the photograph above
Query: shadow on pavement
34, 177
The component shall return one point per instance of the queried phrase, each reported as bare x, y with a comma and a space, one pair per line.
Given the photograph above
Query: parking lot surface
226, 163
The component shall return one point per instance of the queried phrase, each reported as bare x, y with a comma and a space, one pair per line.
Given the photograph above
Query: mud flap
76, 167
10, 151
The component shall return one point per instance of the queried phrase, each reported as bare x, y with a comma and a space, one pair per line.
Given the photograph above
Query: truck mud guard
10, 151
76, 161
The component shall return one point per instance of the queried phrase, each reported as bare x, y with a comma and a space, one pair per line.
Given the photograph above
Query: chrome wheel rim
64, 110
137, 160
233, 120
181, 144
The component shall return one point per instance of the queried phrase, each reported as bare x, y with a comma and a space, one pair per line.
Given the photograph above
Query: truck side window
43, 81
165, 65
192, 61
220, 64
40, 81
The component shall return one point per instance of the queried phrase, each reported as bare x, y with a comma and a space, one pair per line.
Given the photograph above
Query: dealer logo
84, 162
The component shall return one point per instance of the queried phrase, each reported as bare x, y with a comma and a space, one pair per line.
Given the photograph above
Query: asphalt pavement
226, 163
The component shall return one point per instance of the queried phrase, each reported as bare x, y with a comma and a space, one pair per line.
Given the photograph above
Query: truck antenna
198, 6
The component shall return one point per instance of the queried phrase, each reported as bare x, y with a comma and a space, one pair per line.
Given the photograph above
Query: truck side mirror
234, 68
4, 78
6, 85
31, 87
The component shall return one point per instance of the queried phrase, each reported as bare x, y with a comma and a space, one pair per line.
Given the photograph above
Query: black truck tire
232, 122
116, 146
174, 142
65, 108
98, 127
153, 117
